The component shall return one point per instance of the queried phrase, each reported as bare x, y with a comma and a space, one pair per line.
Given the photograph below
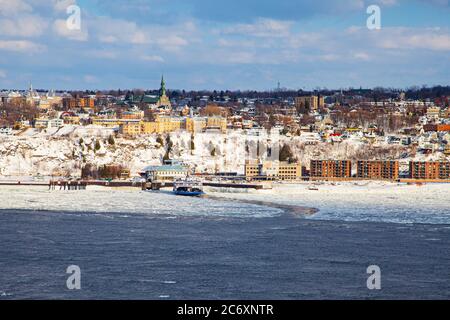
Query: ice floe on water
363, 201
106, 201
344, 201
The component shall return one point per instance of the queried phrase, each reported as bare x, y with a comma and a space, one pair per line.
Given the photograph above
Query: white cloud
12, 7
90, 79
109, 30
103, 54
171, 42
402, 38
152, 58
23, 46
329, 57
60, 28
23, 26
361, 56
261, 28
2, 74
388, 3
424, 40
300, 40
62, 5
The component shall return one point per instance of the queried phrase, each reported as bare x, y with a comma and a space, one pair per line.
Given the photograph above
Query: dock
157, 185
70, 184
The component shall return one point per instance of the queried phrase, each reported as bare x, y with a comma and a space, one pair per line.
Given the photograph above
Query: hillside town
276, 135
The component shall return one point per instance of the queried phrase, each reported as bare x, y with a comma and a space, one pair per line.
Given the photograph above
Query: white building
6, 131
48, 123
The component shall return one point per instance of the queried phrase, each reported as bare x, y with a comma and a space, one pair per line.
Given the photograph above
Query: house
166, 172
6, 131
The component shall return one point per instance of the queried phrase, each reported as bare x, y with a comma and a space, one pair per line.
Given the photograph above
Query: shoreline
296, 211
388, 202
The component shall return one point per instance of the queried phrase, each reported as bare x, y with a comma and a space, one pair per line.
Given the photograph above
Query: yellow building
72, 120
162, 124
289, 171
113, 123
251, 168
195, 124
107, 123
199, 124
433, 112
131, 129
273, 170
165, 124
149, 127
169, 124
217, 122
311, 103
138, 114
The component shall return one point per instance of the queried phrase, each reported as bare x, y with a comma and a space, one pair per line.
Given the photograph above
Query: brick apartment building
331, 168
436, 127
429, 170
378, 170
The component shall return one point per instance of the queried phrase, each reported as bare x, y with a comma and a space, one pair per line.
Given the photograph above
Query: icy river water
130, 244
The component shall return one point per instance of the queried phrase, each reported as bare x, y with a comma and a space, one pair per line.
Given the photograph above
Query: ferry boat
188, 187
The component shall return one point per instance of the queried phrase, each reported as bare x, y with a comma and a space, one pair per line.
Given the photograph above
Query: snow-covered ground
63, 151
104, 200
362, 201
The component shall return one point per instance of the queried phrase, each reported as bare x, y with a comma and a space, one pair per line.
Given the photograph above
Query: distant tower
279, 86
162, 90
30, 93
163, 99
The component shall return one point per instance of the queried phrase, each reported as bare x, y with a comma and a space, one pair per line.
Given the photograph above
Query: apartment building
273, 170
436, 127
331, 169
378, 170
429, 170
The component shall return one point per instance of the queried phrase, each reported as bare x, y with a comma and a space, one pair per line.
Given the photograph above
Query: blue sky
211, 44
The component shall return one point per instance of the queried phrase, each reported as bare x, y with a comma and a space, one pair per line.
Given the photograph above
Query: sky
233, 44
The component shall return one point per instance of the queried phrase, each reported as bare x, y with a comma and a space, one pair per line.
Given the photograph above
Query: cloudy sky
233, 44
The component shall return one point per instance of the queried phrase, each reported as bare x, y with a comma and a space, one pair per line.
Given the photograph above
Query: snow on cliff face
63, 151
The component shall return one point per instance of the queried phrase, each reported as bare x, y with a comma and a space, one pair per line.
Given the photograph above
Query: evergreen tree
286, 153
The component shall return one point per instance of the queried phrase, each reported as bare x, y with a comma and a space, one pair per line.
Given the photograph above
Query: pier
157, 185
70, 184
67, 185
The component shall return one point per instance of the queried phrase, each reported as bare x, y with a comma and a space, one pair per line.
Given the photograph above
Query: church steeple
163, 98
162, 91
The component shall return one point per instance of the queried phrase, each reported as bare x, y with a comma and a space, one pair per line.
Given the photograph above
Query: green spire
163, 86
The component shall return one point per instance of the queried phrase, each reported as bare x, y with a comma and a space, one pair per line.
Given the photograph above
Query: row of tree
90, 171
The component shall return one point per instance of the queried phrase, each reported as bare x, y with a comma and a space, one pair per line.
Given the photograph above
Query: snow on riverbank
105, 200
345, 201
362, 201
63, 151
